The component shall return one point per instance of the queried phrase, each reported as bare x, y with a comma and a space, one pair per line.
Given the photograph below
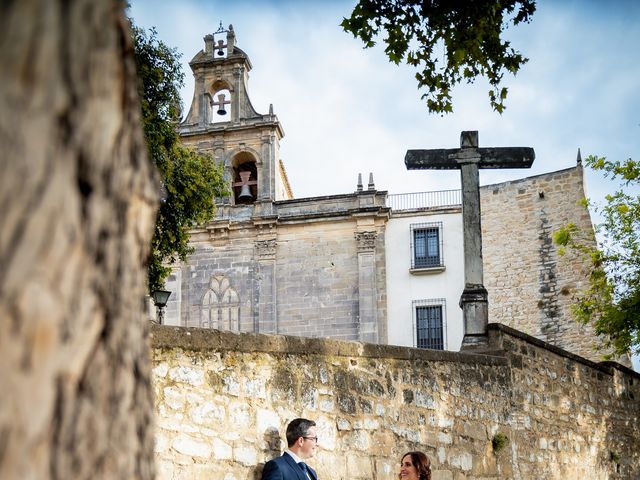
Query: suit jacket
285, 468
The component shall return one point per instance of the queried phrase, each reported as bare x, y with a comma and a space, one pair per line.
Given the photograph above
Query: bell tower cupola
223, 122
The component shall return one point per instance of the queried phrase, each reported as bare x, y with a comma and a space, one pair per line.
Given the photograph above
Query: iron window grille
426, 245
430, 324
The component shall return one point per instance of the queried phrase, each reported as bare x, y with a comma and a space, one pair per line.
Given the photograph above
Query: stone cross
469, 158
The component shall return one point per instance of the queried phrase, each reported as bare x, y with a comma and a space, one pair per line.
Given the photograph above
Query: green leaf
611, 301
190, 180
472, 48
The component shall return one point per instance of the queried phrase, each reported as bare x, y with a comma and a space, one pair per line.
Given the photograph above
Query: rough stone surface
531, 287
562, 414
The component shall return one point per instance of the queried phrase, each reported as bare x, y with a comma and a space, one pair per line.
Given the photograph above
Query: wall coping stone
527, 179
330, 215
327, 198
605, 366
411, 212
203, 339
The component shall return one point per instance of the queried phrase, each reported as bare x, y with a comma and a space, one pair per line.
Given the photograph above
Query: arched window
220, 305
245, 179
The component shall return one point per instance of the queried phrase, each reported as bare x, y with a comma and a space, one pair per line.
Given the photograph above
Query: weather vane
220, 43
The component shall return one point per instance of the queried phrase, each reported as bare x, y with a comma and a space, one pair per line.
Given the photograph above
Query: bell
245, 193
221, 103
221, 45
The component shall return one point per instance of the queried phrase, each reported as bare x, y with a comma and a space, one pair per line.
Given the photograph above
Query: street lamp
160, 298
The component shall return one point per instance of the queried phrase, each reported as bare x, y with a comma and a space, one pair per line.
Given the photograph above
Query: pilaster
265, 254
367, 286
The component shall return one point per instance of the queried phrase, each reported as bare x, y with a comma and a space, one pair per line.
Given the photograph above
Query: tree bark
77, 207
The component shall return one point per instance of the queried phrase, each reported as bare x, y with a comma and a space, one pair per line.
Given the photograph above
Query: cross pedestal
468, 159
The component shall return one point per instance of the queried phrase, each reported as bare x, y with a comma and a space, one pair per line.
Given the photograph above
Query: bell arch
245, 178
220, 99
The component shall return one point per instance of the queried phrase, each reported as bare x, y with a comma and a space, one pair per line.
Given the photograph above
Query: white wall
404, 287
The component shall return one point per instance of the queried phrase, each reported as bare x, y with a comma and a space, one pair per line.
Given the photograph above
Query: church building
363, 265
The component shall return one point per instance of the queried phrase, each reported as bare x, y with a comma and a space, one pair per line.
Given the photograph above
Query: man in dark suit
302, 441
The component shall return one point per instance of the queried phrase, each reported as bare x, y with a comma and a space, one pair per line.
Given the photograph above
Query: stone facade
299, 275
320, 267
224, 399
530, 286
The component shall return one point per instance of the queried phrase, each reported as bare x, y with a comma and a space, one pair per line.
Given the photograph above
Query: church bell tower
223, 122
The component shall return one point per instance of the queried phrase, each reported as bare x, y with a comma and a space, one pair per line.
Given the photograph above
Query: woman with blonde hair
415, 466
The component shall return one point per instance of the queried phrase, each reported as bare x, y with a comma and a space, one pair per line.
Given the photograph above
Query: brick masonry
223, 401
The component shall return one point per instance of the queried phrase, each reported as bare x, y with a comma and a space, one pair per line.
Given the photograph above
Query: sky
347, 110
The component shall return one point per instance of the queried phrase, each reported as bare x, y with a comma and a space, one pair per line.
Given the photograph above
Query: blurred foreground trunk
77, 204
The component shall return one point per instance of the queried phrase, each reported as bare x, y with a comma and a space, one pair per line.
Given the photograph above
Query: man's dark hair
297, 428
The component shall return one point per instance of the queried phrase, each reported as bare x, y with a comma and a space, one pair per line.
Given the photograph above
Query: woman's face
407, 469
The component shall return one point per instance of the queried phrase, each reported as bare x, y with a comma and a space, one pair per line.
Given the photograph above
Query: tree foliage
190, 180
612, 300
447, 42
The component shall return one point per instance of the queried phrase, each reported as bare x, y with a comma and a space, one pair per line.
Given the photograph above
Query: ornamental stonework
366, 241
266, 249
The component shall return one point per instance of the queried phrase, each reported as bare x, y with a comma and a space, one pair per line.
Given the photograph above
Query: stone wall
223, 401
311, 267
530, 286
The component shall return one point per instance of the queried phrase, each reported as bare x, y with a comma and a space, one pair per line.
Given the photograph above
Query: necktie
305, 469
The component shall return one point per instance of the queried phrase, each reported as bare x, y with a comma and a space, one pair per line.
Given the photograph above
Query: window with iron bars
430, 324
426, 245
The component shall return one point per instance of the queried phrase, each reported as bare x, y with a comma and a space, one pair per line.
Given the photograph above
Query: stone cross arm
453, 158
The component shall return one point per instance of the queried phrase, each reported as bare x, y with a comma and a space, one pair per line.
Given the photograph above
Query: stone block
359, 467
442, 475
221, 450
247, 456
187, 375
191, 447
207, 413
